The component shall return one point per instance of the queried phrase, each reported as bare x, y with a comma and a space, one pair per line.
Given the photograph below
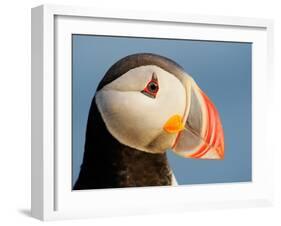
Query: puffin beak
174, 124
200, 132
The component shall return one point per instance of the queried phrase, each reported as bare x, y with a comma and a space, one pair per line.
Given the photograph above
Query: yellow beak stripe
174, 124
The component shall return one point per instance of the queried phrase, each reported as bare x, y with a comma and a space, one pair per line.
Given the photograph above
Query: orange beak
201, 135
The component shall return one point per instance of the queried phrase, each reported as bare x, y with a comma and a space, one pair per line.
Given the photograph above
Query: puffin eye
152, 87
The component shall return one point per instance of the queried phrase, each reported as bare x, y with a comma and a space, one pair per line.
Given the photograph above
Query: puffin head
149, 103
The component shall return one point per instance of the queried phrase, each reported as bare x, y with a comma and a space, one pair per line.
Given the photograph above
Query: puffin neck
109, 164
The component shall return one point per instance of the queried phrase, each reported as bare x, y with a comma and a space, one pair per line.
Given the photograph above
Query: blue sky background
221, 69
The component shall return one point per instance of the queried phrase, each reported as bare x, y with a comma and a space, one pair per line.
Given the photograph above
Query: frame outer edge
271, 88
42, 112
151, 15
37, 113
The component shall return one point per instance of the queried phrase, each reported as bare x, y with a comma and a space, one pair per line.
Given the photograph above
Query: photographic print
160, 112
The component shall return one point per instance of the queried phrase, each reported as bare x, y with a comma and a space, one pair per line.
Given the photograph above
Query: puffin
144, 106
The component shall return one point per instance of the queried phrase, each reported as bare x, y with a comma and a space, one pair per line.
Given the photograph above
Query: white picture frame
52, 197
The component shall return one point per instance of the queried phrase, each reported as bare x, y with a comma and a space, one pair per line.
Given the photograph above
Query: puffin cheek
129, 123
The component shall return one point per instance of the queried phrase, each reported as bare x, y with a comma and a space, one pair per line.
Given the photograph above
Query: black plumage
136, 60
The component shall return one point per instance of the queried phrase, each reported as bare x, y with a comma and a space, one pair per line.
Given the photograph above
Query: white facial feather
135, 119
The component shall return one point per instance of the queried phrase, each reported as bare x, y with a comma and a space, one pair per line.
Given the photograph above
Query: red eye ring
152, 87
